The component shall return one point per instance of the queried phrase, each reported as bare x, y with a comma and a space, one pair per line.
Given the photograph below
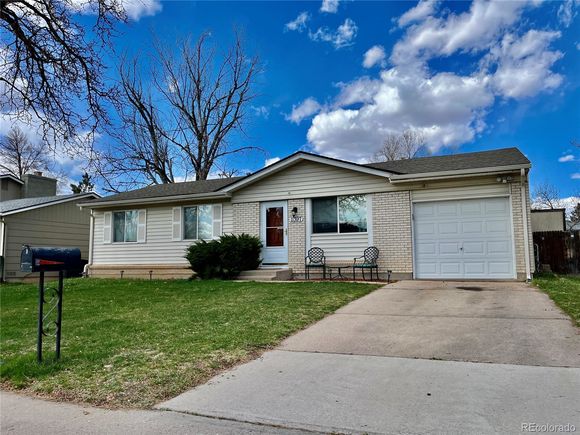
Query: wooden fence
559, 249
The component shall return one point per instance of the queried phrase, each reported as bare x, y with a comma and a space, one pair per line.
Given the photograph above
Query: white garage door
463, 239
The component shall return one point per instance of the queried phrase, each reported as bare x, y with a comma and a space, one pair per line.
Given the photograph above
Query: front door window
275, 226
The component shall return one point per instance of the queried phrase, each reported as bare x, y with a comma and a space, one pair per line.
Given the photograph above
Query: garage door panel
497, 227
500, 267
451, 268
469, 238
498, 247
446, 228
471, 208
475, 247
447, 209
425, 229
474, 268
475, 227
427, 248
449, 248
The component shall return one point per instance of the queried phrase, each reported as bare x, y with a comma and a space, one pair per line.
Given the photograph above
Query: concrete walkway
26, 416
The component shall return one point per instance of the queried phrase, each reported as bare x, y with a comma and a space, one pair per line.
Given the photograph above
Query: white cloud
261, 111
329, 6
135, 9
271, 161
304, 110
566, 158
423, 9
575, 176
299, 23
470, 31
507, 61
342, 37
523, 65
567, 12
374, 56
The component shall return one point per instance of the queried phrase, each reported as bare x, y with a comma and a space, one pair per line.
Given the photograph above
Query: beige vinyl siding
63, 225
308, 180
341, 246
461, 192
159, 248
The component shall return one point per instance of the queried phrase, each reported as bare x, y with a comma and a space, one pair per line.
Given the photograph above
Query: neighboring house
31, 186
51, 220
463, 216
549, 220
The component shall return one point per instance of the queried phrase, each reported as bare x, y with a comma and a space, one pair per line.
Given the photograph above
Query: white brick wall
296, 237
392, 232
519, 229
247, 218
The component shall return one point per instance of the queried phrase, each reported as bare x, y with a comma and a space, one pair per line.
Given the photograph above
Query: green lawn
564, 290
130, 343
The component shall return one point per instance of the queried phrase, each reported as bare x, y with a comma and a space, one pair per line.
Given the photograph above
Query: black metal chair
315, 259
367, 261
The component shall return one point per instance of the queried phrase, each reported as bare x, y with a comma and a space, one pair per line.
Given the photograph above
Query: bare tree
183, 123
547, 195
209, 99
19, 156
142, 152
51, 71
405, 145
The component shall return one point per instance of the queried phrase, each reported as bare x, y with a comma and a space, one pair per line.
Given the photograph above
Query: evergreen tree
85, 185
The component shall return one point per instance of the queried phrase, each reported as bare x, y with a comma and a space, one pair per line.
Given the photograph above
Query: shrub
225, 257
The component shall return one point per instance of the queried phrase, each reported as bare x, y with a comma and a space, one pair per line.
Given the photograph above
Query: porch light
294, 211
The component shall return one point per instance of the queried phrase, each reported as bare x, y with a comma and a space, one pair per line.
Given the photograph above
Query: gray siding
58, 225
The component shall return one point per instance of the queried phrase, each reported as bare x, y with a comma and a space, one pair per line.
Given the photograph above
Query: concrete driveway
498, 322
375, 366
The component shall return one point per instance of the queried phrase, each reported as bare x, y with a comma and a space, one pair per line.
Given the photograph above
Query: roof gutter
154, 200
462, 173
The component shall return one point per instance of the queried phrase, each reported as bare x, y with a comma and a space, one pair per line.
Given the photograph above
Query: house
30, 186
47, 220
550, 219
462, 216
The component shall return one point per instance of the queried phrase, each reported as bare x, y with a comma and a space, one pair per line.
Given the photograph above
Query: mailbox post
37, 259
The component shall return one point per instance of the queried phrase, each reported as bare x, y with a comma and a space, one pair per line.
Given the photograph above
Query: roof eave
296, 157
48, 204
154, 200
462, 173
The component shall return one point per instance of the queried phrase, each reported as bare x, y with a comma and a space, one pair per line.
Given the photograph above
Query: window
125, 226
197, 222
342, 214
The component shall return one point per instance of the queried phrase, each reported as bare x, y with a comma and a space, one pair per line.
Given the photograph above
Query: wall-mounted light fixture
505, 180
294, 211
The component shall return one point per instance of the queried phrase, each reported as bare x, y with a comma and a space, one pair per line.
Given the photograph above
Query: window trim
338, 232
197, 239
124, 227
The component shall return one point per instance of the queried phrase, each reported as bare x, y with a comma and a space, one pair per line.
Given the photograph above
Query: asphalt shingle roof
454, 162
173, 189
17, 204
484, 159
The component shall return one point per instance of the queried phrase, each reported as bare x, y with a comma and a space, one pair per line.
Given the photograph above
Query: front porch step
266, 275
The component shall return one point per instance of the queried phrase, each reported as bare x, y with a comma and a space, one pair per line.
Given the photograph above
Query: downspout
3, 251
91, 239
525, 221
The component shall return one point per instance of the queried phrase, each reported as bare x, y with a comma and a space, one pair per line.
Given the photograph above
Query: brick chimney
36, 185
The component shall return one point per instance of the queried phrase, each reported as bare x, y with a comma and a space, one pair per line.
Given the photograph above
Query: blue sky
340, 75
